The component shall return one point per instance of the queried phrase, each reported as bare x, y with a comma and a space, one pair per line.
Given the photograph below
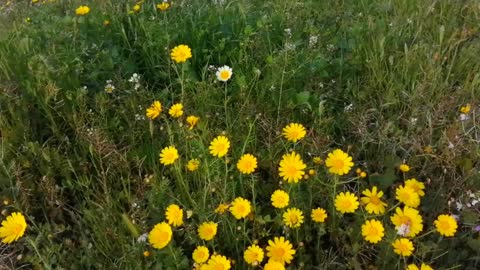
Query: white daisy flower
224, 73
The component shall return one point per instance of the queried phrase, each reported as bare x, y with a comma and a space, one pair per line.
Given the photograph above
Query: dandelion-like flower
192, 121
292, 167
207, 230
181, 53
319, 215
160, 235
293, 218
273, 265
219, 146
373, 231
168, 155
466, 109
403, 247
294, 132
346, 202
200, 254
82, 10
422, 267
218, 262
154, 110
339, 162
280, 250
446, 225
221, 208
174, 215
407, 221
240, 208
193, 164
373, 201
163, 6
404, 168
253, 255
416, 185
176, 110
247, 164
280, 199
13, 227
224, 73
407, 196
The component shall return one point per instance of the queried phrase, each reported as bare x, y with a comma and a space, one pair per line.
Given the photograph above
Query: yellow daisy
292, 167
280, 199
13, 227
408, 222
294, 132
168, 155
207, 230
160, 235
407, 196
218, 262
319, 215
293, 218
417, 186
176, 110
247, 164
280, 250
346, 202
219, 146
200, 254
373, 201
181, 53
273, 265
466, 109
446, 225
193, 164
404, 168
163, 6
174, 215
403, 247
339, 162
373, 231
192, 121
422, 267
224, 73
240, 208
317, 160
221, 208
82, 10
154, 110
253, 255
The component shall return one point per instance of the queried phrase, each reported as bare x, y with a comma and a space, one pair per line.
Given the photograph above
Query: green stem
38, 253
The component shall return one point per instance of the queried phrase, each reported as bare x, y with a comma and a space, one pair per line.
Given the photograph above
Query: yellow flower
373, 231
192, 121
207, 230
154, 110
280, 250
363, 174
417, 186
466, 109
181, 53
319, 215
240, 208
312, 172
253, 255
200, 254
193, 164
408, 222
373, 202
174, 215
176, 110
294, 132
273, 265
403, 247
408, 196
404, 168
224, 73
146, 253
317, 160
291, 167
247, 164
218, 262
219, 146
422, 267
221, 208
168, 155
13, 227
160, 235
106, 23
339, 162
82, 10
280, 199
346, 202
446, 225
163, 6
136, 8
293, 218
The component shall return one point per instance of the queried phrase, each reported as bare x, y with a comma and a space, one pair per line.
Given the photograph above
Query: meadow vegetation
239, 134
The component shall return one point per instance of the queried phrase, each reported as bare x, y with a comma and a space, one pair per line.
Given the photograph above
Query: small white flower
464, 117
142, 238
474, 202
312, 41
224, 73
413, 120
403, 230
459, 206
348, 108
288, 32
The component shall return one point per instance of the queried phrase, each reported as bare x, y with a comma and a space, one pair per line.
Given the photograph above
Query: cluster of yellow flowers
84, 10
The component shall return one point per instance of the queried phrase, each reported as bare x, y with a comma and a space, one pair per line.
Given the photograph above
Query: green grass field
387, 82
